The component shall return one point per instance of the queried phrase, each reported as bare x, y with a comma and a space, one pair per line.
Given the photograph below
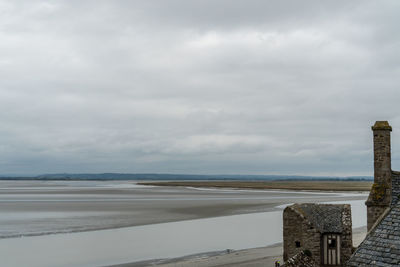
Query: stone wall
297, 229
347, 235
395, 187
373, 214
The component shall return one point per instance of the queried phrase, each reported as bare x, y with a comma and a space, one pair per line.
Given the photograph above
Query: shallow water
142, 242
106, 247
44, 207
173, 222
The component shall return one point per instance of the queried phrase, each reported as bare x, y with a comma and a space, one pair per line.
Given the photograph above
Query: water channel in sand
160, 240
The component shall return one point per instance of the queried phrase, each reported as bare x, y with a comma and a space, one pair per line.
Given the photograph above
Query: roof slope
381, 247
300, 260
326, 218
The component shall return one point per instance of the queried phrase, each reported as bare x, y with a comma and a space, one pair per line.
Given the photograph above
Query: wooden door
331, 249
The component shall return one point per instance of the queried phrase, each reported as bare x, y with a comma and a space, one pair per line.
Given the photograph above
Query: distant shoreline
177, 177
284, 185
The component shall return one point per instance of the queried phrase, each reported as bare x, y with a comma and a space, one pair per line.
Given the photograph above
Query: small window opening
297, 244
331, 243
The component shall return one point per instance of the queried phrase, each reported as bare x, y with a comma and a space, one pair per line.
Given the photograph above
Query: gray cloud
258, 87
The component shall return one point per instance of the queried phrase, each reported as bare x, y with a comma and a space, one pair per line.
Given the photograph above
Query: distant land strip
287, 185
178, 177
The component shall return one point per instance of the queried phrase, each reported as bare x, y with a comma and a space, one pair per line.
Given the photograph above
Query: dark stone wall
297, 229
373, 214
395, 188
347, 235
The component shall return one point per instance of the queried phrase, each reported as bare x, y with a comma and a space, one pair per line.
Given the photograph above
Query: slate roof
326, 218
300, 260
381, 247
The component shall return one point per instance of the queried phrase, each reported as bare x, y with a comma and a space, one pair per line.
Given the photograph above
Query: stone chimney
380, 195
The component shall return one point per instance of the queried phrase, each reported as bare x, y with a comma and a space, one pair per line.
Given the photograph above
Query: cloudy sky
197, 86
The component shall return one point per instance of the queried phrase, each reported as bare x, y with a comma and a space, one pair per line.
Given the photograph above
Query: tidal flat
308, 185
101, 223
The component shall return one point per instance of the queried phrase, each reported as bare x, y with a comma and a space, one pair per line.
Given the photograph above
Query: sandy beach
253, 257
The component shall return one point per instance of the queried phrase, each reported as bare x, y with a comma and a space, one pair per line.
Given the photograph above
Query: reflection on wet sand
170, 222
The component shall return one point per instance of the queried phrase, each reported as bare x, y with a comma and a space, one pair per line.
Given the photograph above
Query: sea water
164, 240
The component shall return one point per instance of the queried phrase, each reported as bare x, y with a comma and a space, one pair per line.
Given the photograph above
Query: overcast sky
205, 86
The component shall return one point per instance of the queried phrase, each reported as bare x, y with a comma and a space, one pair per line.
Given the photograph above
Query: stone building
381, 246
323, 230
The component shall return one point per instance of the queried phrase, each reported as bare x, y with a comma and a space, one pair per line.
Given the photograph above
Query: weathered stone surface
305, 224
380, 195
381, 125
395, 188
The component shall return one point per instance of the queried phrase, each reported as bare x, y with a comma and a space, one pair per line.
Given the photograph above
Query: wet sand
45, 207
168, 222
316, 185
253, 257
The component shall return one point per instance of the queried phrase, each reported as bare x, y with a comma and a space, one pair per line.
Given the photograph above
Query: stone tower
380, 195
